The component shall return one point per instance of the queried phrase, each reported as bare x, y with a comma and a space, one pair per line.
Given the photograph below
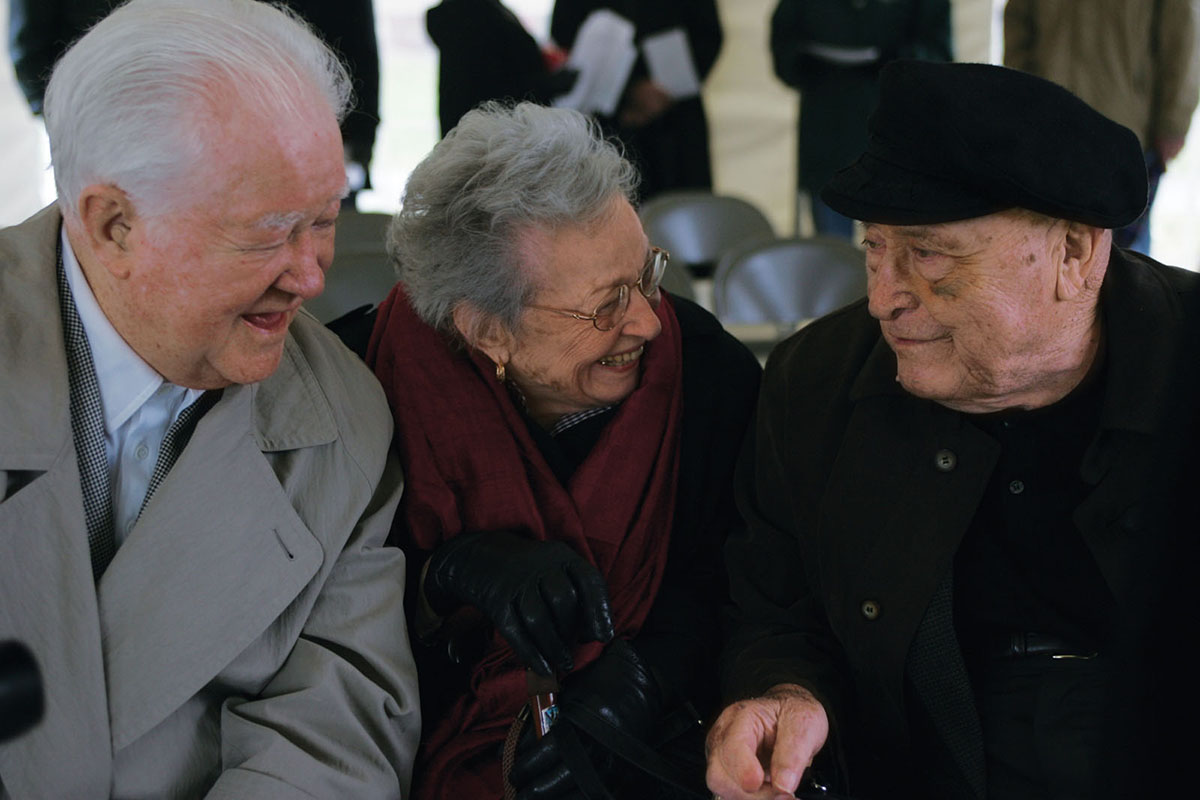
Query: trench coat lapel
49, 604
217, 555
47, 597
920, 471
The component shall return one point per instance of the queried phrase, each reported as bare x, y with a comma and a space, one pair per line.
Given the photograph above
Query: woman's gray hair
502, 171
123, 104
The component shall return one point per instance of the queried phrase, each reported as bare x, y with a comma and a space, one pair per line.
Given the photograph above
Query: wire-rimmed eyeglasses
612, 311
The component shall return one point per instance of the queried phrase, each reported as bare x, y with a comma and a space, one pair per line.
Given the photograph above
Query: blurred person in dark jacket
667, 139
1135, 61
39, 32
832, 52
348, 26
487, 54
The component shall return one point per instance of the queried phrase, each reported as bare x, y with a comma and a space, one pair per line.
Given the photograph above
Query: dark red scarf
470, 464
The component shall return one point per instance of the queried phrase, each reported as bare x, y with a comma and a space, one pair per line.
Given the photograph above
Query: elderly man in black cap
944, 492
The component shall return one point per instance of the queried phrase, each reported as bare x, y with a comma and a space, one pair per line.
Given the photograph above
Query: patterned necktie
176, 439
87, 429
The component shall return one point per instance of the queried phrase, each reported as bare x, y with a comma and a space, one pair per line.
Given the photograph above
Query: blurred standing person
487, 54
39, 32
1135, 61
348, 26
832, 51
666, 139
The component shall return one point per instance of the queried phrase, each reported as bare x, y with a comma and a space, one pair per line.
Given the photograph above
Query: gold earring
500, 371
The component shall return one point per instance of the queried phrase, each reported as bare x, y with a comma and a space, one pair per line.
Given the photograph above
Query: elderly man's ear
1083, 261
484, 332
107, 215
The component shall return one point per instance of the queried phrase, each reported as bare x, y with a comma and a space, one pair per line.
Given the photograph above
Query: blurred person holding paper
658, 114
486, 53
832, 52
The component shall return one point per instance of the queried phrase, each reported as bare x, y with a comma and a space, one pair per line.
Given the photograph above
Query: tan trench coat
248, 639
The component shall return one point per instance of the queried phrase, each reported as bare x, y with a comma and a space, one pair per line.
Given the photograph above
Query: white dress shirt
139, 404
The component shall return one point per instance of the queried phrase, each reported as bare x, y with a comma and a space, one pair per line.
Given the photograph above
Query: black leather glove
541, 596
617, 687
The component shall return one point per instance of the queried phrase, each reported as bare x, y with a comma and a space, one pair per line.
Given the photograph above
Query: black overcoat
856, 495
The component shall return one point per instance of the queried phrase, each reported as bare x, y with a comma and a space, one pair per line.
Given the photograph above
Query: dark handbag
670, 769
674, 770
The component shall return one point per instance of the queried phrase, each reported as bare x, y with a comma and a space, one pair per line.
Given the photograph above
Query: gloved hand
619, 688
541, 596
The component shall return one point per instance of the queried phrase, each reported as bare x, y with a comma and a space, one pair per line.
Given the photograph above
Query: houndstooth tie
87, 429
176, 439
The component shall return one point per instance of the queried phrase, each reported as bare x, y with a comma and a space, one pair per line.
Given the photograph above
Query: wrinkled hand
541, 596
617, 687
759, 748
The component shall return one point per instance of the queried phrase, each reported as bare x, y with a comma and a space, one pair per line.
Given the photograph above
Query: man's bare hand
759, 748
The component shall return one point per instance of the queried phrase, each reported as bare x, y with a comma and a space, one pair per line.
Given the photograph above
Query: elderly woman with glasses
568, 433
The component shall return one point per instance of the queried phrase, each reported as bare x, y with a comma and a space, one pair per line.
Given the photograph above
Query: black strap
634, 751
583, 772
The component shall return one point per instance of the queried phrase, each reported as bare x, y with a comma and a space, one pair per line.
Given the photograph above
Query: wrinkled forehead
616, 227
967, 233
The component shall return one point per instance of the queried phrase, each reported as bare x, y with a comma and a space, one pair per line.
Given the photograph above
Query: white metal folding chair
699, 227
787, 281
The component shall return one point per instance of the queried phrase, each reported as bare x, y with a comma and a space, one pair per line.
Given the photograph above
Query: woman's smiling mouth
622, 359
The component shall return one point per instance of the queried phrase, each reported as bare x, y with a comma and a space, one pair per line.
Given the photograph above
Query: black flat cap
952, 141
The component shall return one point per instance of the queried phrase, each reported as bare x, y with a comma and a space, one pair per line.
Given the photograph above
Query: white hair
502, 171
122, 104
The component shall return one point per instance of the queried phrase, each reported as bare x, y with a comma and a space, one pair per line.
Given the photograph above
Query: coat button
870, 609
945, 460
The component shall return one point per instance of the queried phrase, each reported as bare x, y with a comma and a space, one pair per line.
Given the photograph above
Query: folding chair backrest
699, 227
787, 281
361, 272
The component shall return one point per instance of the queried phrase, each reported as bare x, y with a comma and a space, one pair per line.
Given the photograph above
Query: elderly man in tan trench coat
235, 628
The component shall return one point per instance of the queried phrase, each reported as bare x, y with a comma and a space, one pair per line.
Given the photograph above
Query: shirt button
1016, 487
945, 460
870, 609
141, 452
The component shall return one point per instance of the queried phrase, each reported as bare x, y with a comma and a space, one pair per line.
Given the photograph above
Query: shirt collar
568, 421
126, 381
563, 423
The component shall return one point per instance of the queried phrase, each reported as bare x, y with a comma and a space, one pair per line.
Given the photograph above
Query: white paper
669, 59
838, 54
604, 55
